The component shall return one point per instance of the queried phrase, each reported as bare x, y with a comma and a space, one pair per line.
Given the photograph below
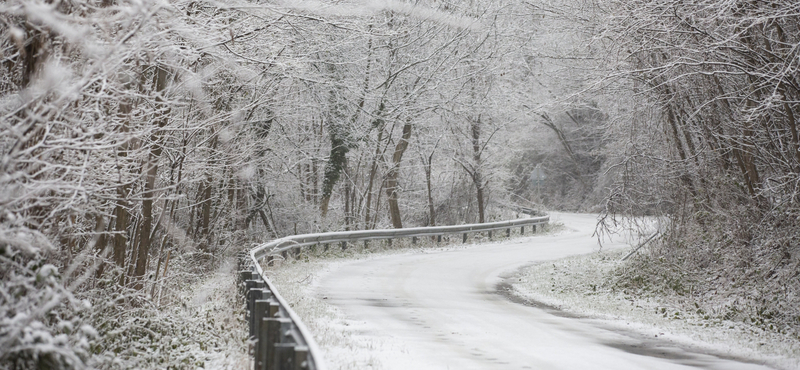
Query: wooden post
438, 238
244, 276
253, 295
284, 356
534, 229
344, 245
248, 286
274, 337
464, 238
301, 357
508, 232
366, 244
522, 230
261, 310
413, 240
490, 234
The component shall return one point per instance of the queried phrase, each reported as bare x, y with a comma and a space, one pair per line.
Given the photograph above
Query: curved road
441, 310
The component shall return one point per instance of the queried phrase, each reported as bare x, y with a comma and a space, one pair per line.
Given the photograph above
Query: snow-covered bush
41, 322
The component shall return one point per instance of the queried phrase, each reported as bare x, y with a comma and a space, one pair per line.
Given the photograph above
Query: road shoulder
579, 287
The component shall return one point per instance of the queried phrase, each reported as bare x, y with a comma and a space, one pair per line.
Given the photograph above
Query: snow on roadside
217, 302
576, 285
199, 326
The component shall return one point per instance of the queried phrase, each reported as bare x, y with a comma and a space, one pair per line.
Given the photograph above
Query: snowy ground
199, 327
217, 302
576, 286
441, 308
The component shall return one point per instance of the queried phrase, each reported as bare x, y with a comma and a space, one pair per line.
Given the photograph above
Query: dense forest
141, 142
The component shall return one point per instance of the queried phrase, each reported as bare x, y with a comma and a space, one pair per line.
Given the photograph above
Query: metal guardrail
282, 341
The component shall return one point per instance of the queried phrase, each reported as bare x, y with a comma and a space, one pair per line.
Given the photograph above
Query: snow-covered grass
200, 326
585, 285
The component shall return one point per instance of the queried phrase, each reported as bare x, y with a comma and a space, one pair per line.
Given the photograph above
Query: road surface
442, 310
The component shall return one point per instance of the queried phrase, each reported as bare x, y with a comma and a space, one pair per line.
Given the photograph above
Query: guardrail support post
490, 234
508, 232
366, 244
522, 230
389, 241
300, 358
249, 285
261, 361
413, 240
253, 295
534, 228
243, 278
464, 238
274, 337
261, 310
273, 309
284, 356
438, 238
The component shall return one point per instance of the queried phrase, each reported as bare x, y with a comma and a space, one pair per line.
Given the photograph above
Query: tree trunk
379, 123
151, 171
431, 207
120, 230
477, 177
392, 175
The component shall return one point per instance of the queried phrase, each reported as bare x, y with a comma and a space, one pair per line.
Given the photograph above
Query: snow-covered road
442, 310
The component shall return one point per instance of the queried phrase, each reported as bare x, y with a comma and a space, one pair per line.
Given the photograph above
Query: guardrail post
263, 346
389, 241
284, 356
270, 329
366, 244
508, 232
253, 295
261, 310
413, 240
274, 337
534, 228
300, 358
490, 234
464, 238
243, 277
254, 282
522, 230
344, 245
438, 238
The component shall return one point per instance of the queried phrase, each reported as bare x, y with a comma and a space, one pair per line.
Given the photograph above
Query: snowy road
441, 310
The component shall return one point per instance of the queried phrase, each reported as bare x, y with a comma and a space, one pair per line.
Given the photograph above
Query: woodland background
144, 142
